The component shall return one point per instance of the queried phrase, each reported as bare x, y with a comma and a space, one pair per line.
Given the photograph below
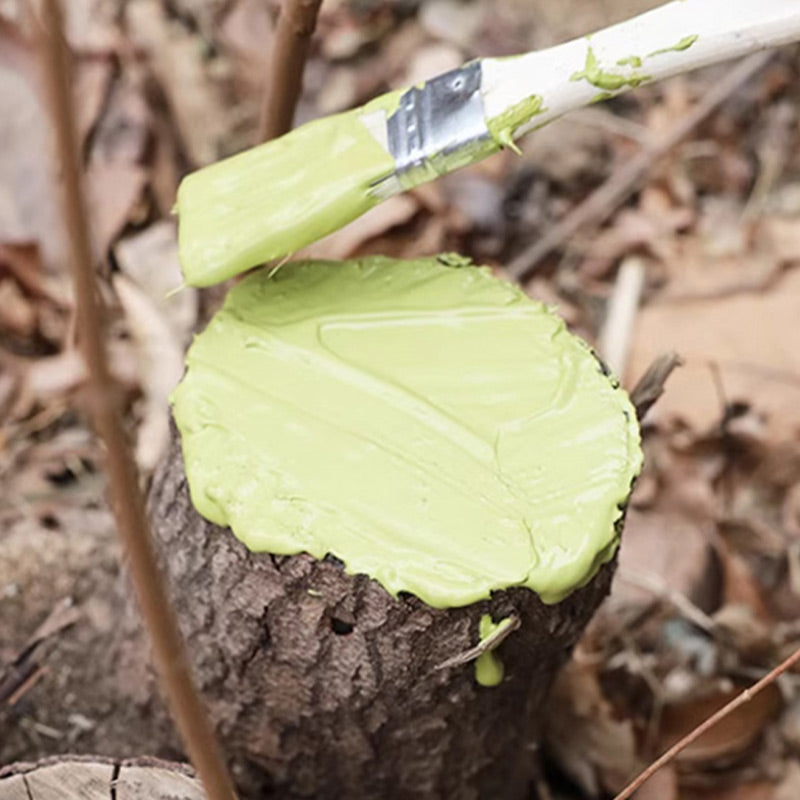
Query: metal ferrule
436, 128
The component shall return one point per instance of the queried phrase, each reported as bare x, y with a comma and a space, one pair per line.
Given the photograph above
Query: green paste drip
427, 424
489, 669
602, 79
275, 198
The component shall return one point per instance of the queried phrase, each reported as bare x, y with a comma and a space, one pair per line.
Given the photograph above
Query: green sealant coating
683, 44
609, 81
503, 127
488, 666
275, 198
426, 423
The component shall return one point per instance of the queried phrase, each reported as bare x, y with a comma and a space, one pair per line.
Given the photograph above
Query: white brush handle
671, 39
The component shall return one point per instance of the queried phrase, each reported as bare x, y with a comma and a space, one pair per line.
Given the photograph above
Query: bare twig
651, 385
657, 586
127, 500
740, 699
599, 205
504, 629
615, 338
284, 79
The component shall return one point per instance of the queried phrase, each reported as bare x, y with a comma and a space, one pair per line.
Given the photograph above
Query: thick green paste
489, 670
503, 127
683, 44
427, 424
275, 198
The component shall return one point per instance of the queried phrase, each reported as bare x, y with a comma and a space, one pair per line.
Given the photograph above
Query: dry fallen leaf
590, 745
150, 259
176, 61
90, 26
246, 33
17, 313
741, 348
22, 261
789, 787
730, 737
123, 133
751, 790
664, 550
112, 192
161, 362
28, 177
452, 21
661, 786
28, 210
432, 60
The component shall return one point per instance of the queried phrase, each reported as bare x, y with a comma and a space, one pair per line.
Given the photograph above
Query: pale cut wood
70, 780
14, 789
95, 778
148, 783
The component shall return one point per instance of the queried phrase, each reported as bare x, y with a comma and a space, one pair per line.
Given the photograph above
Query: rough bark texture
326, 687
91, 778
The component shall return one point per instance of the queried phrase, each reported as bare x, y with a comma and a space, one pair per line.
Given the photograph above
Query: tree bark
324, 686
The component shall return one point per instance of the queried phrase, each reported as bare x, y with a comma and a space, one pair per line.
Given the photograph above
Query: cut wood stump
325, 686
88, 778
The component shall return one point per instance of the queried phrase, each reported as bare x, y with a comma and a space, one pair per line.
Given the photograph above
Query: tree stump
89, 778
329, 687
434, 428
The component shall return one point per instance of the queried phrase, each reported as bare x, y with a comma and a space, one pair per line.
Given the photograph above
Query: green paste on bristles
271, 200
423, 421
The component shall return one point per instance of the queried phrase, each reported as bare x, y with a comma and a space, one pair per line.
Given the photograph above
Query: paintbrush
267, 202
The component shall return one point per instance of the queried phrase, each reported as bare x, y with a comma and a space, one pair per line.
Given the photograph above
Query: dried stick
127, 500
743, 697
284, 79
651, 385
599, 205
616, 334
491, 642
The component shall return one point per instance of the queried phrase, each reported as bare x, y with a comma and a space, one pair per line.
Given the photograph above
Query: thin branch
617, 332
504, 629
284, 78
127, 500
602, 203
740, 699
656, 585
651, 385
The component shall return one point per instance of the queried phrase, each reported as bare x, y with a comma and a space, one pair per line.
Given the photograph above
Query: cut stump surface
76, 778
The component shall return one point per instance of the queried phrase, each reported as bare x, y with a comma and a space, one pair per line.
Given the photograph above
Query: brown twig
651, 385
599, 205
284, 79
127, 500
491, 642
740, 699
617, 332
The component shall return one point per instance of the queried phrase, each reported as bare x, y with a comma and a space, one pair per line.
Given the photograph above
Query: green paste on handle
604, 79
503, 127
427, 424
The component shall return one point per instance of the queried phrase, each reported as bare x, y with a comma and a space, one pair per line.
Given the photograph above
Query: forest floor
704, 247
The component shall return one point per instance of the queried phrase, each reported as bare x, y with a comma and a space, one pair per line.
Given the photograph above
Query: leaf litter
708, 591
